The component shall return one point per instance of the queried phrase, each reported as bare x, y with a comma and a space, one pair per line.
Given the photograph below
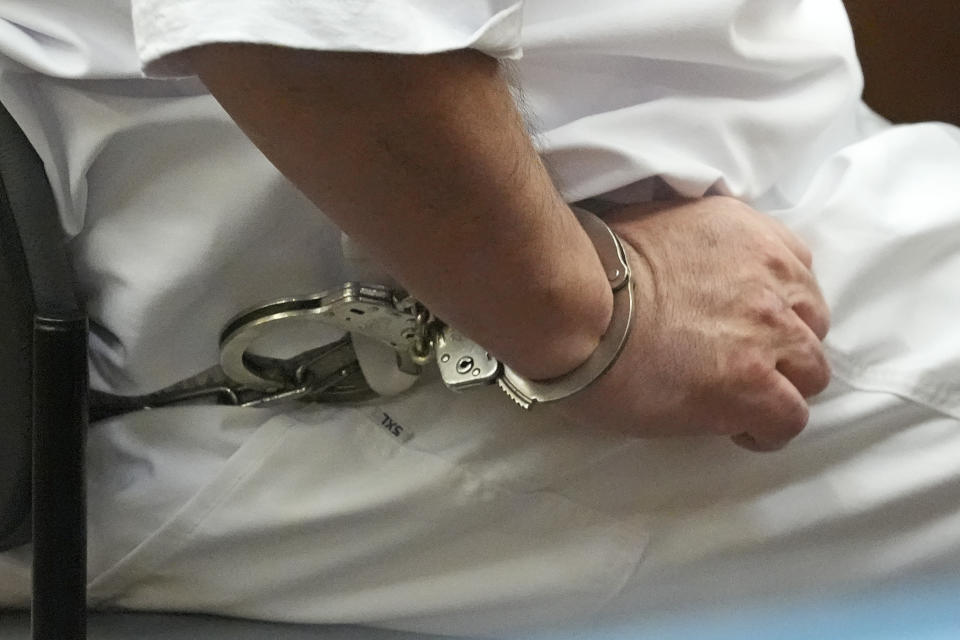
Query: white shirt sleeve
165, 28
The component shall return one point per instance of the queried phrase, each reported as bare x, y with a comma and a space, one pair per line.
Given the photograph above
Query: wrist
577, 306
464, 365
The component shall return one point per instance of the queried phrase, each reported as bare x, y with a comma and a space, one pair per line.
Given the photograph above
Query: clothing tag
389, 424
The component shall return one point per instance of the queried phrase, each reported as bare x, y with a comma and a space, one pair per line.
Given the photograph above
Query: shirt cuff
165, 28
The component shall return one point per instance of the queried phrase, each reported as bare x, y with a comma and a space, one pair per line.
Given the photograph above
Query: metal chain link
424, 341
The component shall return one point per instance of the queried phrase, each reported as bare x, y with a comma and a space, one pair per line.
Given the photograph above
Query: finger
780, 416
746, 441
795, 285
806, 298
814, 313
803, 362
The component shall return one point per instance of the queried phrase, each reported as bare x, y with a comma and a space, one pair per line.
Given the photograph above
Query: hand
727, 329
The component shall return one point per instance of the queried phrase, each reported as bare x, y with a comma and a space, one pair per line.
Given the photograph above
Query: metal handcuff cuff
331, 372
418, 337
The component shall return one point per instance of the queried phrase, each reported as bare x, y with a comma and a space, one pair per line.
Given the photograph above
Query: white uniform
480, 519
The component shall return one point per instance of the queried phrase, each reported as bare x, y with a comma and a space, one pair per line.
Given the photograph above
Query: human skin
424, 161
729, 323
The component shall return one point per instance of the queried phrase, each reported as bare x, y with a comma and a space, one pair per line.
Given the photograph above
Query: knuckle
773, 257
804, 253
814, 314
768, 309
806, 366
750, 369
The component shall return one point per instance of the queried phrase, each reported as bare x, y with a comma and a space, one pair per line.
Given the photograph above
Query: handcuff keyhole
464, 364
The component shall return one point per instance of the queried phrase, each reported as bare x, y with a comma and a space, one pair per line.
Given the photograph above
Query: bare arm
425, 162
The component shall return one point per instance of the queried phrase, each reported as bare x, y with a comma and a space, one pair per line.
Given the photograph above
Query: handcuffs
331, 373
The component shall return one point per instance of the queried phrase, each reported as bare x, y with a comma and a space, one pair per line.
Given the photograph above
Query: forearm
425, 162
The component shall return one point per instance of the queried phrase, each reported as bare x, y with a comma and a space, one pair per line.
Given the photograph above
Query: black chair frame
43, 381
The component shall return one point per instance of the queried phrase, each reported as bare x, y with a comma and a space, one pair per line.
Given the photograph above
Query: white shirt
480, 521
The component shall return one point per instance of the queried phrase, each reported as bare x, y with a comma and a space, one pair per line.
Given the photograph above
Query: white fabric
411, 26
475, 518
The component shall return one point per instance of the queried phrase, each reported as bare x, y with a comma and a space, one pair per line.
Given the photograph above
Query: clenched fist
727, 328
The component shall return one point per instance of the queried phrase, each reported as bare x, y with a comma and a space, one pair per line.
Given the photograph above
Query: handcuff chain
422, 351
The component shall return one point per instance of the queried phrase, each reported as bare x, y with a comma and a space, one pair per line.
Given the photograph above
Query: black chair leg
59, 494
